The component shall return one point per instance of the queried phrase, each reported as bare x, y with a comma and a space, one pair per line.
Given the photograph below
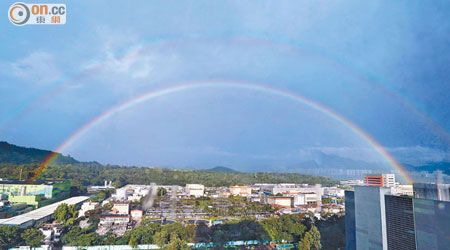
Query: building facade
376, 219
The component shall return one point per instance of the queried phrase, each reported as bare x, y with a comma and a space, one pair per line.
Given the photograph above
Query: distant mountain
13, 154
431, 167
221, 169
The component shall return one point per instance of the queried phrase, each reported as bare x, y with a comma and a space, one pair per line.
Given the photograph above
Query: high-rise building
370, 217
400, 222
350, 227
433, 191
375, 219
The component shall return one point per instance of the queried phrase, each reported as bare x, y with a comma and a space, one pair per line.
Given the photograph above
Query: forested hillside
13, 154
16, 159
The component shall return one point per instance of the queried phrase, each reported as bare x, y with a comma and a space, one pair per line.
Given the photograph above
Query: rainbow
253, 87
341, 63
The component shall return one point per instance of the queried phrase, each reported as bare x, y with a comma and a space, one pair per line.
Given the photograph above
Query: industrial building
42, 214
37, 194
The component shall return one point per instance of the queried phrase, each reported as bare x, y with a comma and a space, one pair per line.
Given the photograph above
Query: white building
282, 201
289, 188
241, 191
136, 214
87, 206
352, 183
334, 191
121, 208
402, 190
196, 190
307, 199
388, 180
116, 219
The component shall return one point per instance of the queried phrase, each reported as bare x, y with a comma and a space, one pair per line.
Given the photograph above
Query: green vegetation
10, 236
66, 214
16, 155
33, 237
322, 234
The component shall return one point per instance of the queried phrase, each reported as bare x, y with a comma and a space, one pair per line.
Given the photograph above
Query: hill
15, 160
431, 167
12, 154
221, 169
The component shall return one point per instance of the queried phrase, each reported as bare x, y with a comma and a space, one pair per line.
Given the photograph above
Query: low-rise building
307, 199
115, 219
196, 190
334, 191
402, 190
354, 182
87, 206
281, 201
241, 191
121, 208
136, 214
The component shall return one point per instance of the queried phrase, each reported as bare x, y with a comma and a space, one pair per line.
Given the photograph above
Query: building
114, 219
42, 214
241, 191
52, 233
400, 222
281, 201
402, 190
196, 190
376, 219
334, 191
433, 191
136, 214
38, 194
307, 199
370, 217
87, 206
289, 188
350, 222
349, 183
94, 189
121, 208
381, 180
431, 222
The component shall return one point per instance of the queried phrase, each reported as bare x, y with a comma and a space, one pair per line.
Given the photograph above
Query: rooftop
40, 213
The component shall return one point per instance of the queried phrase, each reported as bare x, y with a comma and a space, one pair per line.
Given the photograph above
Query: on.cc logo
18, 14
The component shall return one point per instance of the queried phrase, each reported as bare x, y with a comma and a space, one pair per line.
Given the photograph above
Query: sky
381, 65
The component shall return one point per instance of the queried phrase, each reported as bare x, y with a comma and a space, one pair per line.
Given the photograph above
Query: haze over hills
321, 164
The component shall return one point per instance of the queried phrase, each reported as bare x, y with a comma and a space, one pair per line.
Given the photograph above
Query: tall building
433, 191
375, 219
370, 217
400, 222
350, 227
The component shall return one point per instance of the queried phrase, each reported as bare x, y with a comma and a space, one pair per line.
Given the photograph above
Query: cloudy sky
382, 65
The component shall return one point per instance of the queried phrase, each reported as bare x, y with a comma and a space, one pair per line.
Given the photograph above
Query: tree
176, 243
311, 241
10, 236
133, 242
66, 214
33, 237
161, 191
315, 234
306, 242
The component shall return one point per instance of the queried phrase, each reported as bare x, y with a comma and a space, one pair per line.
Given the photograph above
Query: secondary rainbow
254, 87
